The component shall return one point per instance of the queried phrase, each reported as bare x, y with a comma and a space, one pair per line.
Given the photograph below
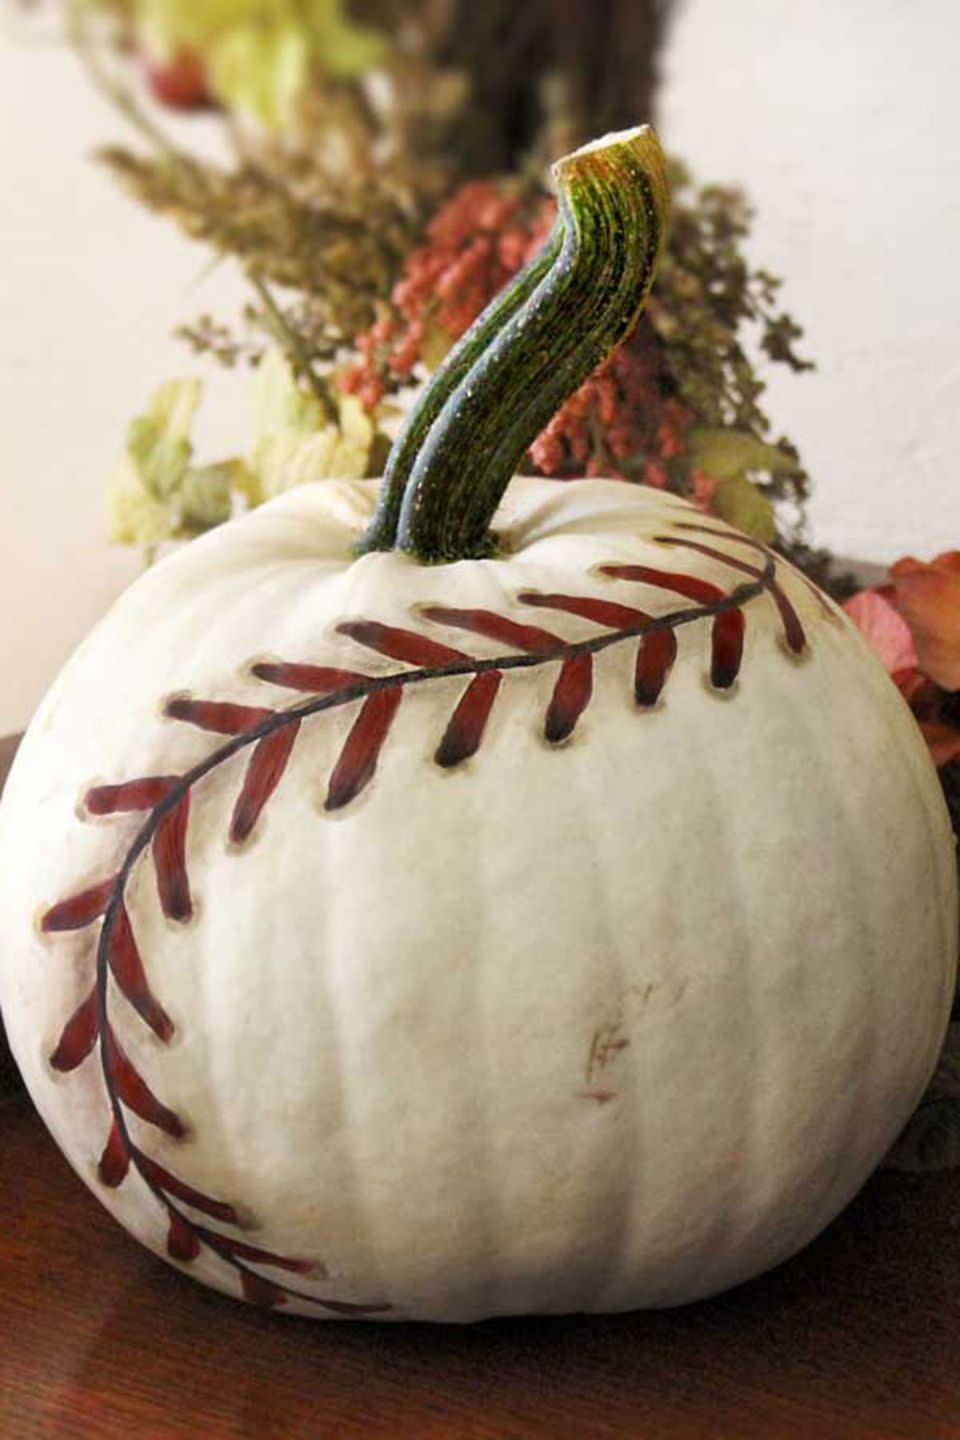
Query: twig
293, 344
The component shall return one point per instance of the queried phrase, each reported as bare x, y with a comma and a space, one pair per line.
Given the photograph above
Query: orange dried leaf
884, 629
928, 597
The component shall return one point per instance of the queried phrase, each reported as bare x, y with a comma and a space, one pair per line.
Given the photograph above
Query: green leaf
206, 495
289, 457
158, 441
743, 505
260, 71
280, 402
293, 442
134, 515
259, 53
340, 45
726, 453
155, 494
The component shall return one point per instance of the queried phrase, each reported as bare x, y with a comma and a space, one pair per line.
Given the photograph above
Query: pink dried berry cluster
618, 422
621, 422
480, 238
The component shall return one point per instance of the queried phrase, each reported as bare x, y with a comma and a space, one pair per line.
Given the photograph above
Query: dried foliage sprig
338, 245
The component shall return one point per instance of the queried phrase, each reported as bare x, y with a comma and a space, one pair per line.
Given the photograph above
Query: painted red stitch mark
170, 1185
496, 627
655, 652
183, 1239
574, 686
115, 1160
170, 862
768, 554
570, 698
260, 1291
728, 625
267, 764
253, 1252
602, 1097
270, 736
358, 758
655, 656
78, 1036
127, 967
313, 679
793, 632
692, 587
727, 656
80, 910
405, 645
219, 716
464, 732
136, 1093
132, 795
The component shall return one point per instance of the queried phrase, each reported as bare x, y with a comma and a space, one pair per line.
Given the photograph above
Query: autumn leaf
877, 616
884, 629
928, 597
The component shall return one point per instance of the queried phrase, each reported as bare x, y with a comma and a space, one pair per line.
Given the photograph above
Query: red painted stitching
758, 546
271, 735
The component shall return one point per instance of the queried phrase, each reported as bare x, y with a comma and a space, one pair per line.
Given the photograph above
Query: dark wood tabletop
857, 1337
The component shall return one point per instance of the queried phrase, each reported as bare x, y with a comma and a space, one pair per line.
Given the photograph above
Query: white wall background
839, 116
90, 289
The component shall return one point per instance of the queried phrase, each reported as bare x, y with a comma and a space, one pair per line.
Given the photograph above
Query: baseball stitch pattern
270, 736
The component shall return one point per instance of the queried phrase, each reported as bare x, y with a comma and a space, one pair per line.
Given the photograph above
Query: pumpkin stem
381, 534
481, 417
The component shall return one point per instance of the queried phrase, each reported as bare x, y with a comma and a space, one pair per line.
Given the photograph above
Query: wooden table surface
857, 1337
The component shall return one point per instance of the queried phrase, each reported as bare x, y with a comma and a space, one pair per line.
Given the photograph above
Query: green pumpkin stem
382, 531
479, 421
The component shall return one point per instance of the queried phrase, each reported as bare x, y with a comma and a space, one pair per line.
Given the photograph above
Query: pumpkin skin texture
615, 1022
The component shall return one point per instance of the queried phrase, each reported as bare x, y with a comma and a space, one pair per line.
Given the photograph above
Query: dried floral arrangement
385, 180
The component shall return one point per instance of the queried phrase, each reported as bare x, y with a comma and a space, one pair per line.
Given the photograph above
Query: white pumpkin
609, 1023
570, 928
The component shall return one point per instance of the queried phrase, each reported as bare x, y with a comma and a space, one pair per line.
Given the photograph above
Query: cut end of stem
612, 157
